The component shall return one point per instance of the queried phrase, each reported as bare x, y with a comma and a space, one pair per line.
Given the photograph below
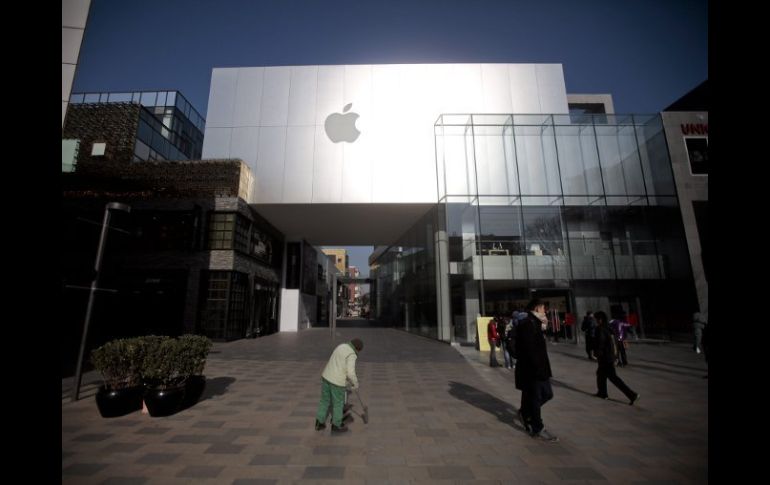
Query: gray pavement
438, 414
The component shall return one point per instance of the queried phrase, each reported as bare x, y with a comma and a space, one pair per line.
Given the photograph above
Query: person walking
605, 349
533, 370
698, 324
618, 327
494, 341
588, 326
509, 340
339, 371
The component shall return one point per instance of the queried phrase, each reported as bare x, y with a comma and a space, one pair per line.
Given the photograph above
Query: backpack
500, 328
614, 349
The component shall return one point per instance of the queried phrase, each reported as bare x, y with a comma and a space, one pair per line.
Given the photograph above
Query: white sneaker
546, 436
697, 351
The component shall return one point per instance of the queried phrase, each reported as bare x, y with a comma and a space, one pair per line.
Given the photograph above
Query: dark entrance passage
357, 322
339, 319
264, 314
151, 303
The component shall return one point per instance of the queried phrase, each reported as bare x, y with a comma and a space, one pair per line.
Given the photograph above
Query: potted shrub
119, 361
193, 351
163, 381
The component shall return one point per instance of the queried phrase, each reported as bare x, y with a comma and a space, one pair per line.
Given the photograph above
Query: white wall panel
217, 143
74, 13
464, 89
248, 96
70, 45
270, 163
383, 132
67, 75
496, 93
221, 99
393, 160
356, 157
289, 310
524, 92
298, 173
330, 92
275, 97
550, 83
327, 169
302, 95
244, 145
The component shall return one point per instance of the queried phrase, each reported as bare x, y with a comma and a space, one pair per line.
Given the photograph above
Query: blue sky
646, 54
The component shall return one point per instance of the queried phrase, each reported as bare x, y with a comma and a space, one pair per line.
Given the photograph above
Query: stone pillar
443, 295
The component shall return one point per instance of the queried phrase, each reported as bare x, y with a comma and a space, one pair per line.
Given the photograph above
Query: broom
365, 415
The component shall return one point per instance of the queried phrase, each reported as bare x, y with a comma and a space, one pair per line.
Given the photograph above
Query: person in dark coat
588, 327
533, 369
605, 349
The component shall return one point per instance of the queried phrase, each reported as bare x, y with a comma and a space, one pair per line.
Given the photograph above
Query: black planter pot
113, 403
194, 387
163, 402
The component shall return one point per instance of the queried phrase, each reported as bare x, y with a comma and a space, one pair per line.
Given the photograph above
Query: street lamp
94, 287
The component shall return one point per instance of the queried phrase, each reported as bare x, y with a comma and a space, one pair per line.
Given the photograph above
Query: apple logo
342, 127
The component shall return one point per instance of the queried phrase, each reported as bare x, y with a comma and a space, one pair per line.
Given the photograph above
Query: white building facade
505, 194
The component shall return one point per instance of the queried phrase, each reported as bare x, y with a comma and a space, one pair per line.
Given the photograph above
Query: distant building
192, 256
340, 258
686, 123
107, 128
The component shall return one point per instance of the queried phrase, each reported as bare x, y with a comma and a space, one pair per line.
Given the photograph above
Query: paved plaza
437, 414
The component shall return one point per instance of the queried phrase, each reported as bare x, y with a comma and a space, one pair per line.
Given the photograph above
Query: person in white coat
339, 371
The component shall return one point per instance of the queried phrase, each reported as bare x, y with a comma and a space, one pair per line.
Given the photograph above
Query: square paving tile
83, 469
125, 481
577, 473
200, 471
158, 458
225, 448
324, 472
451, 473
270, 460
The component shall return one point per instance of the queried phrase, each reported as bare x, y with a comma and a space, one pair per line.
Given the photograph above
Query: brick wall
115, 124
199, 178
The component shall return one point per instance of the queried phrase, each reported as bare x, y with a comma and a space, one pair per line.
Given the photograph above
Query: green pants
334, 395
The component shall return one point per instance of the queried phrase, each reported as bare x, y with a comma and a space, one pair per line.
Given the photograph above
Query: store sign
695, 129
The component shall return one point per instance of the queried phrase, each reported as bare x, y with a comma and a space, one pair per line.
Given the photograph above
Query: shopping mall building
480, 185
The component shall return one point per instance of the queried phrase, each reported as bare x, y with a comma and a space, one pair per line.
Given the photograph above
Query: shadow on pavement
216, 387
633, 364
567, 386
505, 412
688, 367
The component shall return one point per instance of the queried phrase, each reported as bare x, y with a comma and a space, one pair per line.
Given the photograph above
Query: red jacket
492, 334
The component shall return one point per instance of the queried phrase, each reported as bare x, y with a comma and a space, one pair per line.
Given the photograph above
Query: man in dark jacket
588, 326
533, 369
606, 354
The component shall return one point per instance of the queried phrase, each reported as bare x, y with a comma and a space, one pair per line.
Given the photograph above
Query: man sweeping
340, 370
